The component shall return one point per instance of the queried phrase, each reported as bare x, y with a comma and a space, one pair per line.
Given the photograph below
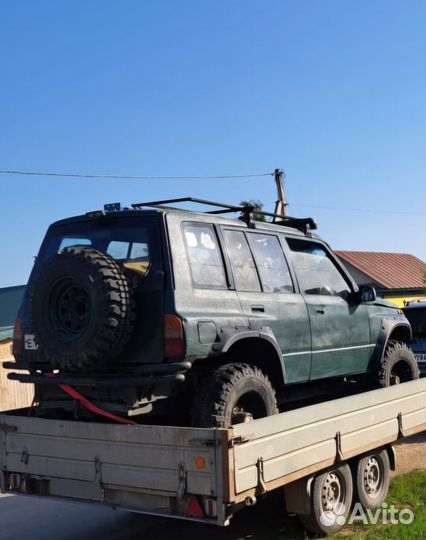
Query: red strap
86, 403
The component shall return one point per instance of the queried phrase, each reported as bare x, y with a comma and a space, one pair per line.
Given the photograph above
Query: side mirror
367, 293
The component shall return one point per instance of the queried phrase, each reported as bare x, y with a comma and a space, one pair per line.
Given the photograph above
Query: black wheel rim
69, 309
249, 406
400, 373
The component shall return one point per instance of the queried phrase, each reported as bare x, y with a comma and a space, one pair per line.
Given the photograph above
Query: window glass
118, 250
73, 242
132, 241
139, 251
204, 255
245, 274
316, 272
271, 263
128, 251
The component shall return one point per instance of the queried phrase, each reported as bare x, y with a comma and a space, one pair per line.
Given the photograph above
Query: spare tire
81, 311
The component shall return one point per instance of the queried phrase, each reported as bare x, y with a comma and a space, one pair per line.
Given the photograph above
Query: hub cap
373, 477
332, 493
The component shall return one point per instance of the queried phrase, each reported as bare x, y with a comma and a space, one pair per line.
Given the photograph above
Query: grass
406, 491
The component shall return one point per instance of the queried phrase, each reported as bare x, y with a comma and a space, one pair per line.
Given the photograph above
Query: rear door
340, 330
267, 294
202, 294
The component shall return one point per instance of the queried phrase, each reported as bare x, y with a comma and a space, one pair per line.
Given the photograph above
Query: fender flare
387, 326
230, 335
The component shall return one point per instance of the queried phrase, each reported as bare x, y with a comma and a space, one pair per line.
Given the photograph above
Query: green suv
223, 317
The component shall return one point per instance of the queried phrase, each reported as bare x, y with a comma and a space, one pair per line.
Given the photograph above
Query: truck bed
192, 473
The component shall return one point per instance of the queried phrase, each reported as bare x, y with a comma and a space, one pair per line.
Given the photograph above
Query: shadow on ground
24, 518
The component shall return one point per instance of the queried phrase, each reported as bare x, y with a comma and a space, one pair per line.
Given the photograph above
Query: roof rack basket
247, 211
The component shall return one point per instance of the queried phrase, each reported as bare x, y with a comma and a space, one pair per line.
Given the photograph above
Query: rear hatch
135, 242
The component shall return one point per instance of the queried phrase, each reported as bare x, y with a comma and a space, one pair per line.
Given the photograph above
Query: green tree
257, 205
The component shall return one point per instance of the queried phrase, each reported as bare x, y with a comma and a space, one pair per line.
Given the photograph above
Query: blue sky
331, 91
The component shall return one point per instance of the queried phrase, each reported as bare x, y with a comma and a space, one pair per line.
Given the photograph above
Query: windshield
133, 242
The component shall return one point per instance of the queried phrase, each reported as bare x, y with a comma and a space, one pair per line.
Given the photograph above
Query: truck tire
398, 365
232, 394
331, 499
81, 311
371, 476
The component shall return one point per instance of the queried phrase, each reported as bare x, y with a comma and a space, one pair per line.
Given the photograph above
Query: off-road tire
220, 391
398, 365
321, 521
106, 310
371, 475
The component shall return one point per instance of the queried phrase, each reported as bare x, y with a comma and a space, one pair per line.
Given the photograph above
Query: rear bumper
144, 375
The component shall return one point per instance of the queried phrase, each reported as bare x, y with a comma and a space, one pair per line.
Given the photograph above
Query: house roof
390, 270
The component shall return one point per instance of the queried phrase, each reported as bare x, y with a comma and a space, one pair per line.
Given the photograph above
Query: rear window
417, 318
127, 240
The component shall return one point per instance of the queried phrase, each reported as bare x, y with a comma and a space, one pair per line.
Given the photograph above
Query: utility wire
200, 177
144, 177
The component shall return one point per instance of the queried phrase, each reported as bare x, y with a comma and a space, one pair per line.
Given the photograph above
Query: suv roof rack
303, 224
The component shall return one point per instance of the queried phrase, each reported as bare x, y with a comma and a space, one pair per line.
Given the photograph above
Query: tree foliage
257, 205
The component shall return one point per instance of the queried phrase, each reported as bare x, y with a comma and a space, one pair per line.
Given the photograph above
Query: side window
205, 258
316, 271
271, 263
245, 274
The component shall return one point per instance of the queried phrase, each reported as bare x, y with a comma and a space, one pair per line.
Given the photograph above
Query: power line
200, 177
137, 177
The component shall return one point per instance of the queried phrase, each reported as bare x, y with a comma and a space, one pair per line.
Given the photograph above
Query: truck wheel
372, 479
331, 499
81, 310
233, 394
398, 365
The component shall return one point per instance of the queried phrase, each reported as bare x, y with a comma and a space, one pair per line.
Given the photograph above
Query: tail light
17, 348
174, 344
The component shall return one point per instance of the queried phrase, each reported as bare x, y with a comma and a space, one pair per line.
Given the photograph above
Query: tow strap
90, 406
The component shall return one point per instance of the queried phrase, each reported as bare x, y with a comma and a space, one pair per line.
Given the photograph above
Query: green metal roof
10, 300
6, 332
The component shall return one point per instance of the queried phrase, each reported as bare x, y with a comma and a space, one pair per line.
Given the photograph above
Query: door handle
258, 309
320, 309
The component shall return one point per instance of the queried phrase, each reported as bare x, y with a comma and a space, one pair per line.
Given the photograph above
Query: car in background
416, 315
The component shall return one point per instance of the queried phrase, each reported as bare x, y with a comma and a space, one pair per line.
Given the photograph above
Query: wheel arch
391, 328
400, 332
256, 347
389, 449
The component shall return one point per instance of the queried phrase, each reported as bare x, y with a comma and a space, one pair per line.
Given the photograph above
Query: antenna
281, 206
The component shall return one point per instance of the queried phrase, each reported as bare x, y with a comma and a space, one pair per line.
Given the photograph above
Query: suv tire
398, 365
81, 310
232, 394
